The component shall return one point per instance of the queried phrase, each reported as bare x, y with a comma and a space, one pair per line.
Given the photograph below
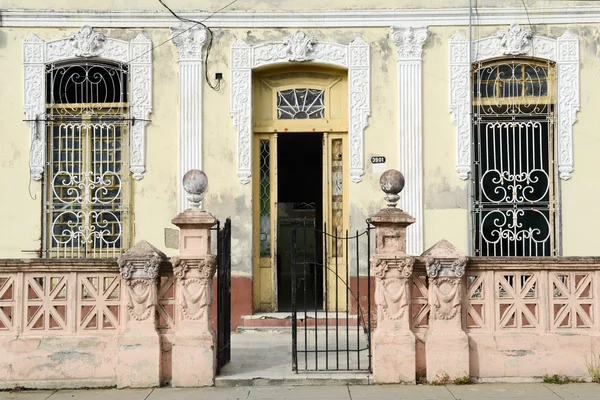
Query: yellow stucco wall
156, 196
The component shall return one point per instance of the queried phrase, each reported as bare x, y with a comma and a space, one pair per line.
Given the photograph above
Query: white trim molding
410, 97
300, 47
86, 44
516, 41
303, 19
189, 43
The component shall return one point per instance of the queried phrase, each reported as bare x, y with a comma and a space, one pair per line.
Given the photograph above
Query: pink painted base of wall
241, 301
530, 355
58, 362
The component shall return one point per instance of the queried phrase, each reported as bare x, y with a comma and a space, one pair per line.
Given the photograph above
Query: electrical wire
527, 12
210, 38
215, 87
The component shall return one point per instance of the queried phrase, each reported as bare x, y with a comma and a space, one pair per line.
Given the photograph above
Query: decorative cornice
564, 50
410, 42
83, 44
314, 19
189, 42
355, 57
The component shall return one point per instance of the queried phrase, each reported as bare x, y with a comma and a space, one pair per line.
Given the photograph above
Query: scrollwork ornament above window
84, 44
563, 50
355, 57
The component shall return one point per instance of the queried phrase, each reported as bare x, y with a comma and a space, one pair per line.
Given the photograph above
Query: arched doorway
300, 165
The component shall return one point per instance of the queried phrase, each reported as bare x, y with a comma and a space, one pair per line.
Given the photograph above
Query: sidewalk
589, 391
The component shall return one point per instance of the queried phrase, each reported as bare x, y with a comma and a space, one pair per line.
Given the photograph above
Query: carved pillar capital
410, 42
392, 289
445, 266
189, 42
139, 268
194, 286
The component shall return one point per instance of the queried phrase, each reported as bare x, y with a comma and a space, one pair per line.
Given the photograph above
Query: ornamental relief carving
87, 43
410, 42
141, 298
392, 285
444, 297
195, 298
189, 42
300, 47
516, 41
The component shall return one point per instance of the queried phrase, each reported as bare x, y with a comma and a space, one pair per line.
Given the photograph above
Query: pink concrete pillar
139, 344
193, 351
446, 344
394, 359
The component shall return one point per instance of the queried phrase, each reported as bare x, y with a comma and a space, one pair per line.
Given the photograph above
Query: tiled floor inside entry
266, 356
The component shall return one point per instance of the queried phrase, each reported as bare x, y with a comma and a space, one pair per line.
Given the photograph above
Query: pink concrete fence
60, 321
524, 317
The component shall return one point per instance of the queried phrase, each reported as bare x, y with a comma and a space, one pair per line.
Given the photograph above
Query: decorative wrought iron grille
300, 104
86, 181
265, 198
513, 180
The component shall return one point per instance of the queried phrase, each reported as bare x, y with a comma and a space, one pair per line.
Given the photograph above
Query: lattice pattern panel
517, 300
166, 302
419, 308
572, 300
45, 301
98, 298
7, 303
474, 310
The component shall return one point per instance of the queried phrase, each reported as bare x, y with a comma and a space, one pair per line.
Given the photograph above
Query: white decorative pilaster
189, 45
410, 89
516, 41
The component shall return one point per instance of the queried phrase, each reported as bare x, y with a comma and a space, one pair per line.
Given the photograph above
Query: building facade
294, 110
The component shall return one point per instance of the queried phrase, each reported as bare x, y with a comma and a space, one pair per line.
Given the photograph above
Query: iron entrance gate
331, 328
223, 294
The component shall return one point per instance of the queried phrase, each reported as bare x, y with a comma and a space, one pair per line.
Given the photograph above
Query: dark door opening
299, 203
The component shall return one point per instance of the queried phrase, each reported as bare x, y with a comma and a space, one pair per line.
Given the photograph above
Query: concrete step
272, 320
324, 378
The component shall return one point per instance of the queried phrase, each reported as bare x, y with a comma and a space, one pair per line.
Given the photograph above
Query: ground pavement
589, 391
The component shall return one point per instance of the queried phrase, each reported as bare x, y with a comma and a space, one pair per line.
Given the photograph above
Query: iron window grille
86, 184
513, 196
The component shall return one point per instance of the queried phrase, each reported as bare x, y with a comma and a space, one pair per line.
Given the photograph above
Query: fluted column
191, 75
410, 47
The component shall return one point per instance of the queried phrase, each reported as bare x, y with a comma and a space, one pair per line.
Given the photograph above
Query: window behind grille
86, 180
513, 179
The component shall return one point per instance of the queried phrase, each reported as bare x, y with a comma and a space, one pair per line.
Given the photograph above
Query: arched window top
514, 86
86, 82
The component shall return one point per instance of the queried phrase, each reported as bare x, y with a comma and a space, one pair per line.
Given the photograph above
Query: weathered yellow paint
156, 196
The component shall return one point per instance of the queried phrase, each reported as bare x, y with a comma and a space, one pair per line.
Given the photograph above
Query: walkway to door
265, 357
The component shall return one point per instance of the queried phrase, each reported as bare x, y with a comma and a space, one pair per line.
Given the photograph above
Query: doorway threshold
261, 359
284, 319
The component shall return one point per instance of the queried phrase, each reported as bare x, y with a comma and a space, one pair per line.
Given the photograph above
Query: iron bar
305, 314
294, 316
326, 272
369, 295
337, 307
358, 308
316, 289
347, 256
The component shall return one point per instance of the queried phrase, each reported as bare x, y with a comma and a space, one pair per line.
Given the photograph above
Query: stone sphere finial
392, 183
195, 183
